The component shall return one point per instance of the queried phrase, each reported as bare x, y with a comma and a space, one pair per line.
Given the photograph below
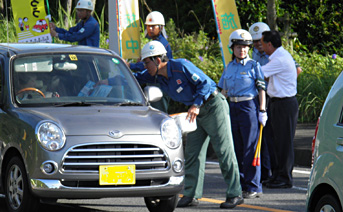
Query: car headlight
171, 133
50, 135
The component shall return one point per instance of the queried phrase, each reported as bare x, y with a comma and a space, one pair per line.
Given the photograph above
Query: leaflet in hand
98, 91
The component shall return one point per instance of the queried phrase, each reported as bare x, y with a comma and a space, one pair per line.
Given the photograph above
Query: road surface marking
242, 205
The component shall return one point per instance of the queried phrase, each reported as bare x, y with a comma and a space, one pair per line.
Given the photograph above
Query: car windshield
74, 80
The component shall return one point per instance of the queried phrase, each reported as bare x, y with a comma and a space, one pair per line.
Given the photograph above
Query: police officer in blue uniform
155, 31
86, 32
242, 81
186, 83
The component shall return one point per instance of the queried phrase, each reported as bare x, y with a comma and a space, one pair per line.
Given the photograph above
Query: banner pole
48, 12
113, 26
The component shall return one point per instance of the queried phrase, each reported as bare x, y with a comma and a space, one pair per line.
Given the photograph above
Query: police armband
260, 84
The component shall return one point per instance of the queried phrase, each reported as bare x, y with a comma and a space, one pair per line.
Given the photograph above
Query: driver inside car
29, 87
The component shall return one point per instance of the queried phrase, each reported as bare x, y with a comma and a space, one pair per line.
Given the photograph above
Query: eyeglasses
256, 41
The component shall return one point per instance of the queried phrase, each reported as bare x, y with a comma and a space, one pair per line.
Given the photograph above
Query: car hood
98, 120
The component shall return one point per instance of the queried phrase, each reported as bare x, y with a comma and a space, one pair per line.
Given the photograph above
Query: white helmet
256, 30
154, 18
240, 37
153, 48
85, 4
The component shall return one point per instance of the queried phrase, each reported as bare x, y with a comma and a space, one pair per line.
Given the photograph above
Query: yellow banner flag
129, 28
227, 21
31, 20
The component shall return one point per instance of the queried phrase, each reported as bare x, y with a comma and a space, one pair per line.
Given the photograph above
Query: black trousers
284, 115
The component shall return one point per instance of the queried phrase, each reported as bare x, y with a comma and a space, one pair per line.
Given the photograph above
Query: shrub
314, 84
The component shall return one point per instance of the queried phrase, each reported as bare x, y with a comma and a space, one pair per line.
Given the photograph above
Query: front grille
95, 183
87, 158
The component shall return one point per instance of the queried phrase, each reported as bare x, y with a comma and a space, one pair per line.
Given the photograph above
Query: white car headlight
50, 135
171, 133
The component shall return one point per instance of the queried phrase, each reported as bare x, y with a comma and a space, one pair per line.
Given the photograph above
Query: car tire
161, 204
17, 191
328, 203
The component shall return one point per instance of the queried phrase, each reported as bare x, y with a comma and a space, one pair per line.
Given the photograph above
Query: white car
325, 188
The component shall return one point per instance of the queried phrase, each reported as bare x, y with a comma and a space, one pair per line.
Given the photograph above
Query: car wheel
328, 203
17, 192
161, 204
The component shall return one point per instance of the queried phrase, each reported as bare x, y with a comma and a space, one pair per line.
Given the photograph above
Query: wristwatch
197, 106
263, 111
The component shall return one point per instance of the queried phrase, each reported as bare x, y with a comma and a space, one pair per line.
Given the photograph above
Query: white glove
262, 118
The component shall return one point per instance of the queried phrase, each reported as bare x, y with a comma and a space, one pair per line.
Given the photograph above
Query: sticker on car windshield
115, 60
73, 57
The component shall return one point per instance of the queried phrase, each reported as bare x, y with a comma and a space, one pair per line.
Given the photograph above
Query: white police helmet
256, 30
153, 48
85, 4
154, 18
240, 37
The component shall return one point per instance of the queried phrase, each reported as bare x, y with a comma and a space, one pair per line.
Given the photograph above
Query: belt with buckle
275, 99
241, 98
215, 93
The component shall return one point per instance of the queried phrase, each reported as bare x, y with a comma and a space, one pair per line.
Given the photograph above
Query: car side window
1, 75
340, 122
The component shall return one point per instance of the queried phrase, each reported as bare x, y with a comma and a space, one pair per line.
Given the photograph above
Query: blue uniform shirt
139, 66
239, 79
262, 58
186, 83
87, 33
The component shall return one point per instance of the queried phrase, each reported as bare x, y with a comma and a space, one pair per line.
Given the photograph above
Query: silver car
325, 189
65, 133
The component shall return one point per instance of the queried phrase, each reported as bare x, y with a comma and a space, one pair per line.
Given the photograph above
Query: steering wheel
32, 89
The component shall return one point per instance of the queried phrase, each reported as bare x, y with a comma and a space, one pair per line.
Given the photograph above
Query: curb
302, 146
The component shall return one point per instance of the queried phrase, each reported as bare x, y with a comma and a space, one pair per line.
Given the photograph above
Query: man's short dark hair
273, 37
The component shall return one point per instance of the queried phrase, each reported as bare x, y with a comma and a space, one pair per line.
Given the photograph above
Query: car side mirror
153, 93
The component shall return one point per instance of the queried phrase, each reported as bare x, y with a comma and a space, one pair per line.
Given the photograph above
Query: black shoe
187, 201
251, 194
268, 180
278, 184
232, 202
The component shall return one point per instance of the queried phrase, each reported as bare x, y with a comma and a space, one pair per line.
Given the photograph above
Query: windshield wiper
129, 104
71, 104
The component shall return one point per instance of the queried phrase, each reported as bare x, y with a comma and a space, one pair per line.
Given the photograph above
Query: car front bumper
48, 188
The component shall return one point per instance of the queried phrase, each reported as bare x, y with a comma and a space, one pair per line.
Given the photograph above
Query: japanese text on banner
129, 28
31, 20
227, 21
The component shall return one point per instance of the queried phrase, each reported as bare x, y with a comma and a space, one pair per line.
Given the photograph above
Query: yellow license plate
117, 175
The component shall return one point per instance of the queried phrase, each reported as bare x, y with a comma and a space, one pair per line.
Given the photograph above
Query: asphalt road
276, 200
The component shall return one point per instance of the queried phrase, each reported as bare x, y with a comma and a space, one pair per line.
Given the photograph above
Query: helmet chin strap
240, 58
153, 60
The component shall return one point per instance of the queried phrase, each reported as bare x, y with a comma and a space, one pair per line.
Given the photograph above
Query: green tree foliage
318, 24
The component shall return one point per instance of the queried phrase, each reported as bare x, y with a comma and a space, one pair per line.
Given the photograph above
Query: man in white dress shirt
281, 73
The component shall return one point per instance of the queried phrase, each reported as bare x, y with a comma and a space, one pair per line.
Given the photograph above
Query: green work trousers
213, 121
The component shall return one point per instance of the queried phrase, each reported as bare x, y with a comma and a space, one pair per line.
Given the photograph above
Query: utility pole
113, 27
